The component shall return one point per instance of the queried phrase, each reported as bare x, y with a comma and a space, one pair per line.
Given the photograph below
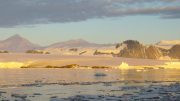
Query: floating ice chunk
124, 65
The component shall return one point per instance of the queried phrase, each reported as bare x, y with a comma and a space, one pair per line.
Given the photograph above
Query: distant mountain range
17, 43
129, 48
77, 43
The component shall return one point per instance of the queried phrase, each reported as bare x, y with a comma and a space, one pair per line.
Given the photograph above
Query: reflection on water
25, 76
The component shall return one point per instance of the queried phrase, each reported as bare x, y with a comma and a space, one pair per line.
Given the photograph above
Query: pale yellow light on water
12, 64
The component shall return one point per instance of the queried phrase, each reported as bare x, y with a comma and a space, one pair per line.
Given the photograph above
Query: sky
100, 21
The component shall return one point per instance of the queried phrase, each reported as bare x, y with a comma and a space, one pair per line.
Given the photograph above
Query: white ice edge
123, 65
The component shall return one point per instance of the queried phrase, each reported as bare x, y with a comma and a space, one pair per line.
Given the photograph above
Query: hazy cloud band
22, 12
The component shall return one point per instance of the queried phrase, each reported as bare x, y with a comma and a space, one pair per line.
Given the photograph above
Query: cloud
23, 12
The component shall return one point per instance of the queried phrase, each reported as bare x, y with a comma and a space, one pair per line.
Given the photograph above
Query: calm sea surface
15, 77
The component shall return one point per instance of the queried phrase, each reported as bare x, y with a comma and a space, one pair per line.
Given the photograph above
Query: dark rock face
135, 49
153, 52
174, 52
132, 43
165, 52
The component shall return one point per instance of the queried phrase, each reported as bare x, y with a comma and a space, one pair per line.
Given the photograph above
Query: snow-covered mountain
17, 43
168, 42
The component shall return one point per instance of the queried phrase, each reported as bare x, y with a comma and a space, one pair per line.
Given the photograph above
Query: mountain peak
15, 37
17, 43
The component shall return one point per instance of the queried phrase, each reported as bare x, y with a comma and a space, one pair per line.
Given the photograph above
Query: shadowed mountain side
153, 52
174, 52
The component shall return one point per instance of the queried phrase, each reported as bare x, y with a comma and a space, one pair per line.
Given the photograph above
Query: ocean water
70, 82
15, 77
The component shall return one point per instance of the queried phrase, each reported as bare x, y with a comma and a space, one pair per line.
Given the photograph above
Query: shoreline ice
123, 66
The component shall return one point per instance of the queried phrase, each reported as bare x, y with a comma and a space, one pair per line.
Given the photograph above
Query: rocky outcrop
174, 52
135, 49
153, 52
